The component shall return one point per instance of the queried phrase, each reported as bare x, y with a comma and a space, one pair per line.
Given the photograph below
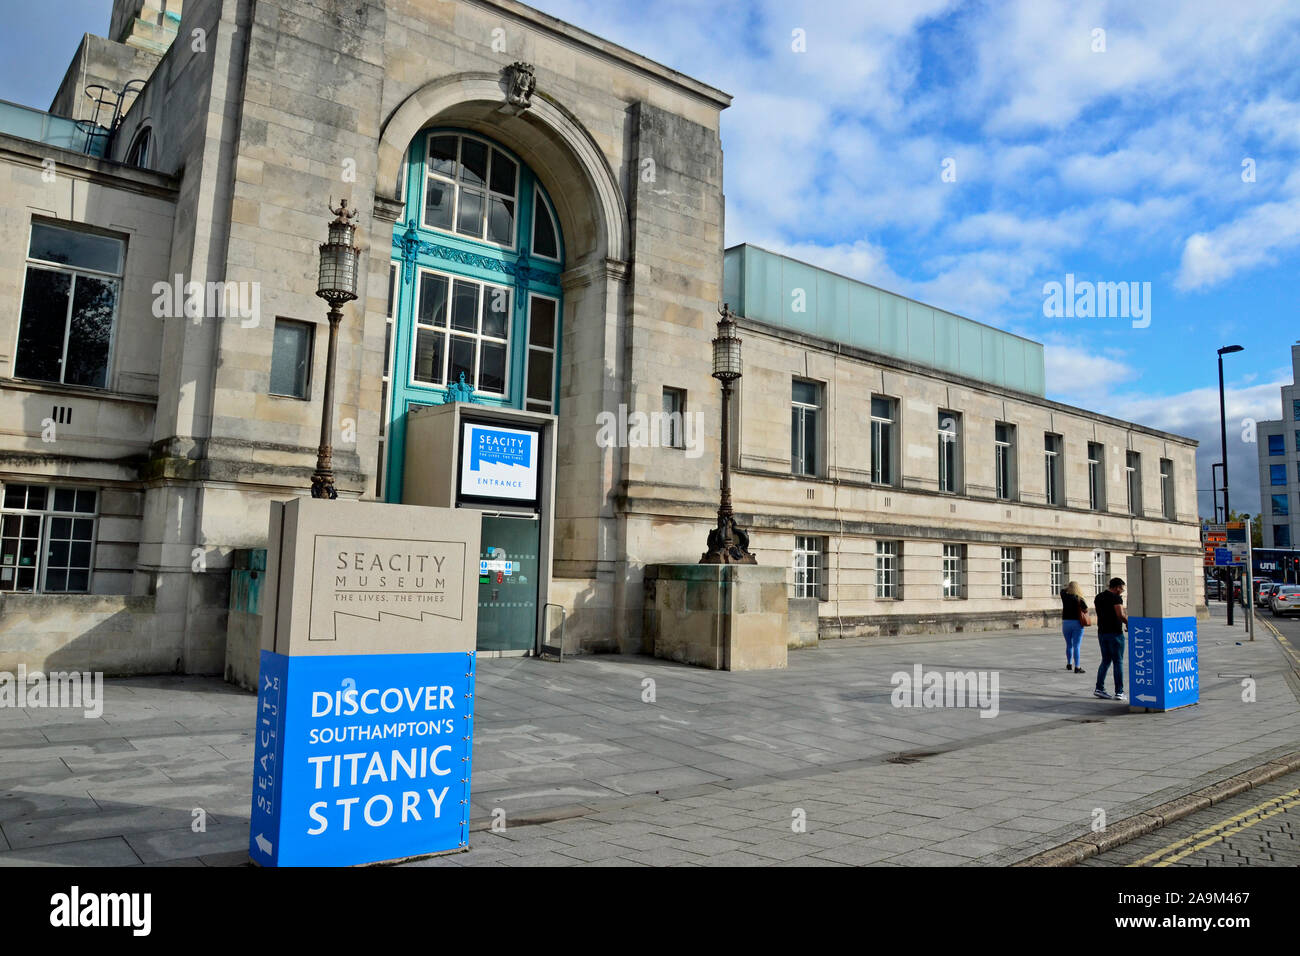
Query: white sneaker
1119, 696
1102, 694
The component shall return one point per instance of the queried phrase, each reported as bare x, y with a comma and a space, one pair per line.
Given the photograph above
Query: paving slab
727, 760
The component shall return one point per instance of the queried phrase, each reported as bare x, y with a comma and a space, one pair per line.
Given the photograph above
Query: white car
1285, 600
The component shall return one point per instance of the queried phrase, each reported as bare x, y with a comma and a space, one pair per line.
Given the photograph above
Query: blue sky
1115, 164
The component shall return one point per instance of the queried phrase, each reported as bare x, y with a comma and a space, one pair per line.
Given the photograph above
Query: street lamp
338, 284
1223, 439
727, 543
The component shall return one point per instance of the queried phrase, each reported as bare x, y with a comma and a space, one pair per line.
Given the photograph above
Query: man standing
1111, 619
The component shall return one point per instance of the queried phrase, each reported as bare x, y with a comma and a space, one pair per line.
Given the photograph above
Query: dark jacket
1070, 606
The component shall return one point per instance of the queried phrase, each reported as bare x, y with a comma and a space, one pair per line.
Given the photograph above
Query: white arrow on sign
263, 844
1145, 697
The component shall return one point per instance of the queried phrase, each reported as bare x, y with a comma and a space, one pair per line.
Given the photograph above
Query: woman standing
1074, 615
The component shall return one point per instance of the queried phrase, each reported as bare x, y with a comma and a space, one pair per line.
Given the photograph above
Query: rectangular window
1281, 536
1004, 442
888, 567
674, 415
1133, 476
47, 537
1052, 445
1277, 474
462, 330
1096, 476
954, 570
883, 418
543, 321
1011, 572
1276, 446
1295, 409
69, 307
1100, 570
805, 415
1281, 506
1297, 440
809, 552
1060, 567
1167, 488
291, 358
949, 451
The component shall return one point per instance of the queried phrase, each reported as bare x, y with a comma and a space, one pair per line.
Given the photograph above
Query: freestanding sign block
366, 692
1162, 633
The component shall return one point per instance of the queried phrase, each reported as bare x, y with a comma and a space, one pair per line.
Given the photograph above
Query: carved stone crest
521, 81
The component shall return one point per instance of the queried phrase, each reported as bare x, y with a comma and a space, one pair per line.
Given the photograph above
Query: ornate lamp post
338, 284
728, 544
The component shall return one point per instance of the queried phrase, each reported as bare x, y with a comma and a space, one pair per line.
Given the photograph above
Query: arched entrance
592, 232
475, 300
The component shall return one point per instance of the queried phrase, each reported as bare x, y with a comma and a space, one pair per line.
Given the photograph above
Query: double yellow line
1287, 646
1221, 830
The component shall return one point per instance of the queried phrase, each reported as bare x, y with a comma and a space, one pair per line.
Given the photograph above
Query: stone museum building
541, 231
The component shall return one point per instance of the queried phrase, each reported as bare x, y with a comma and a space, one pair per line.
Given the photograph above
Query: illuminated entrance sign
499, 464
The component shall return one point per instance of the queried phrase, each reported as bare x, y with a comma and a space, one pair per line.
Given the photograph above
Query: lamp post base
322, 485
728, 544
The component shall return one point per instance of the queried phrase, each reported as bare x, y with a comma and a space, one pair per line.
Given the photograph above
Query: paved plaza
628, 760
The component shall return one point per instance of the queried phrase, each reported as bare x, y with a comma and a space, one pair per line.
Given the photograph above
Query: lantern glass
726, 355
338, 271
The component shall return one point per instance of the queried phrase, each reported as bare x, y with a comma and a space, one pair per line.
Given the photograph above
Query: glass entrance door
507, 584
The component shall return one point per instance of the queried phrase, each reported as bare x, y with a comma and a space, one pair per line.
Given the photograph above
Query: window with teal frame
476, 297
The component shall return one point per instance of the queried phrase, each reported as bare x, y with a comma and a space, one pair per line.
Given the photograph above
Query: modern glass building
1279, 467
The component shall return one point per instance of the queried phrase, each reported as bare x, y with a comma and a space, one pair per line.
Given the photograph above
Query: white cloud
1078, 374
1253, 239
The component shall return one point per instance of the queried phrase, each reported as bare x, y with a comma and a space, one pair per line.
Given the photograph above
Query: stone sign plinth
726, 617
365, 700
1163, 666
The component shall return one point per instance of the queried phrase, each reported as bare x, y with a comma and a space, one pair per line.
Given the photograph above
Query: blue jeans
1073, 632
1112, 651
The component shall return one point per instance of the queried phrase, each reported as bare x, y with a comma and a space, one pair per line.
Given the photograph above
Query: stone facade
258, 114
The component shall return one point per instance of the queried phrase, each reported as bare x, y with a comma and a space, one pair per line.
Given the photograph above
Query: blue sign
1163, 668
499, 463
361, 758
500, 448
1222, 557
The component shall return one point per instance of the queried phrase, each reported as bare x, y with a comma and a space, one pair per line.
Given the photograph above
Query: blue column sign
361, 758
365, 695
1163, 666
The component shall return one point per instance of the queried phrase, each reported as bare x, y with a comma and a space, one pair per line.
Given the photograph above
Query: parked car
1285, 600
1214, 590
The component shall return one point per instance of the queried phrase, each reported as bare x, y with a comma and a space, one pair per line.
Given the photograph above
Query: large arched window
476, 295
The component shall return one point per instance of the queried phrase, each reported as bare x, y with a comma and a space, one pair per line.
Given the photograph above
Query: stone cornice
101, 172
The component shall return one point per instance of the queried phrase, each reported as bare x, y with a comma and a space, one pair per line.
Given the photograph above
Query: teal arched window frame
419, 249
